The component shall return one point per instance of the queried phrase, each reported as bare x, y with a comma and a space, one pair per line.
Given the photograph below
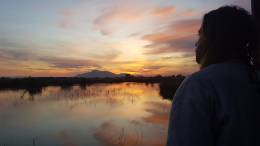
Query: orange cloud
189, 13
164, 11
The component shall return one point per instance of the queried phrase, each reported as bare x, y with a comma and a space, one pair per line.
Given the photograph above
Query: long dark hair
231, 34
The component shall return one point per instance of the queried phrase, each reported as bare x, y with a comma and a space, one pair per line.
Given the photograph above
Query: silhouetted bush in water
168, 86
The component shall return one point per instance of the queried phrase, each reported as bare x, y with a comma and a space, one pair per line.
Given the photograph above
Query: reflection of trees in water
112, 94
33, 86
83, 87
32, 91
66, 87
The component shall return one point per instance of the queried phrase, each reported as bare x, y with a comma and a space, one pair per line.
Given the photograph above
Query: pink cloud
117, 15
108, 22
177, 37
69, 18
164, 11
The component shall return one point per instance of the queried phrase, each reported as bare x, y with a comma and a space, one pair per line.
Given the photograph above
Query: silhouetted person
220, 104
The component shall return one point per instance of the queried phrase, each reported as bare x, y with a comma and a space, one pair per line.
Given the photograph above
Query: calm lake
125, 114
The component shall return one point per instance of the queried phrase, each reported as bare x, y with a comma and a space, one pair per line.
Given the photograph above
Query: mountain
100, 74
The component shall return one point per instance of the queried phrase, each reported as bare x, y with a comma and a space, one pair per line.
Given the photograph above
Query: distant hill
100, 74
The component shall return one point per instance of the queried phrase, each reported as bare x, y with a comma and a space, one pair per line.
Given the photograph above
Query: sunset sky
69, 37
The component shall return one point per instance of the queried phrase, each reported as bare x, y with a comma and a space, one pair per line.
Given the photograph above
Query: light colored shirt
217, 106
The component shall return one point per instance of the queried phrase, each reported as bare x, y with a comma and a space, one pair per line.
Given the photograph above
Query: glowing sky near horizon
69, 37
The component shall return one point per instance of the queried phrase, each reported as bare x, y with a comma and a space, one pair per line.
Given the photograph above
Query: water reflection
159, 113
101, 114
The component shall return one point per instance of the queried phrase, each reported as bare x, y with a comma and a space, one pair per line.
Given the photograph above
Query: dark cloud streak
67, 63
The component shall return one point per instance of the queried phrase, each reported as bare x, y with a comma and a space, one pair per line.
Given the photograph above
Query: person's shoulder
207, 75
194, 87
218, 71
206, 81
196, 80
203, 74
213, 70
